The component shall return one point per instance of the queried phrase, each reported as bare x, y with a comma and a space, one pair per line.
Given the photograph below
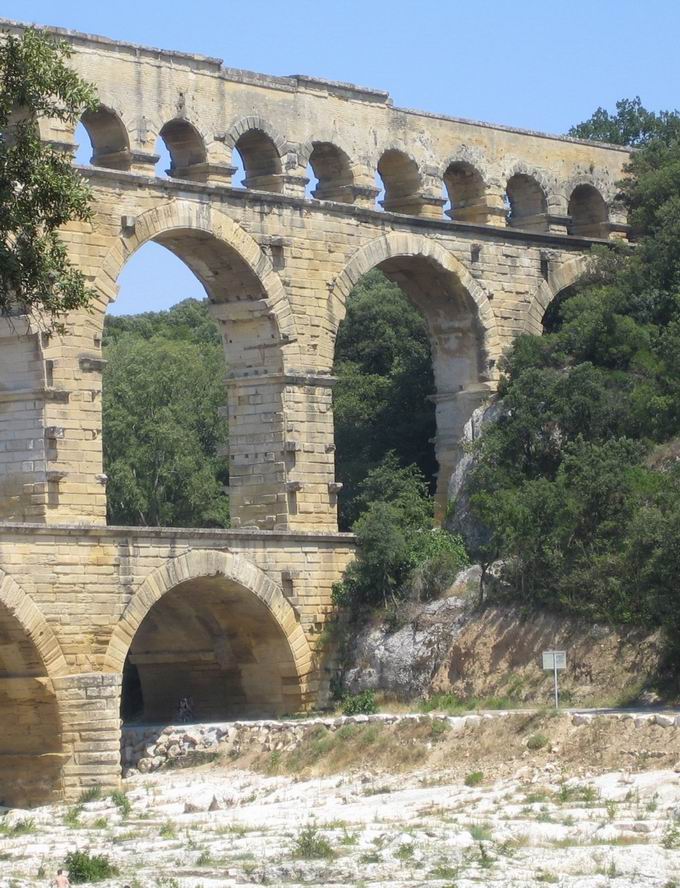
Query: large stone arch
559, 278
461, 324
191, 216
31, 741
198, 564
20, 606
394, 245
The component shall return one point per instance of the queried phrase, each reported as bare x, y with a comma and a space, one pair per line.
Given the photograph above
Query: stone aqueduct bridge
234, 617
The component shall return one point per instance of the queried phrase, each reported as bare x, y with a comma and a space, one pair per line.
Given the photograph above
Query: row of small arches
258, 163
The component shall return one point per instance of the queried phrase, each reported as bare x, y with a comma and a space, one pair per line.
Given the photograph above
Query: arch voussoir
198, 564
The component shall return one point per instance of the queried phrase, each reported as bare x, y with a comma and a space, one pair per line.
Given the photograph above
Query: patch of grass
90, 795
122, 802
537, 741
85, 867
348, 838
671, 837
204, 859
312, 845
474, 778
577, 792
405, 851
168, 830
100, 823
443, 871
439, 729
370, 857
480, 832
72, 817
455, 705
22, 827
548, 877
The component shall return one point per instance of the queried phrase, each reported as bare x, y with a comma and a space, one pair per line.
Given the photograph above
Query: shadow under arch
461, 326
212, 626
31, 746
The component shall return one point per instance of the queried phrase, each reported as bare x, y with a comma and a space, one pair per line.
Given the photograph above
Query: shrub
84, 867
167, 830
360, 704
90, 795
122, 802
312, 845
537, 741
474, 778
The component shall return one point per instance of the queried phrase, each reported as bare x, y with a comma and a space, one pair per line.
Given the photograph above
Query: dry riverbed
520, 801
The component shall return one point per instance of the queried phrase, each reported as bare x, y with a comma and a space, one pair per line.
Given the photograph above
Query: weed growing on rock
122, 802
19, 828
90, 795
312, 845
474, 778
72, 817
168, 830
85, 867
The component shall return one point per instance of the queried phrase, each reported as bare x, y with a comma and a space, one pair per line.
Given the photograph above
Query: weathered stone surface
278, 267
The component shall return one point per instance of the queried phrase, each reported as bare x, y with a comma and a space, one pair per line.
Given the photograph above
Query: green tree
577, 483
632, 124
384, 369
40, 191
399, 553
163, 436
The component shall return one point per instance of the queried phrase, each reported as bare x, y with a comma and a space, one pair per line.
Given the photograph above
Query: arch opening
452, 373
186, 150
172, 432
31, 752
401, 181
108, 140
527, 203
465, 190
260, 161
332, 170
588, 212
213, 643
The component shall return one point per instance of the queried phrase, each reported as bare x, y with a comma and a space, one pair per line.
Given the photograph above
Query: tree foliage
398, 551
384, 368
163, 435
579, 481
40, 191
632, 124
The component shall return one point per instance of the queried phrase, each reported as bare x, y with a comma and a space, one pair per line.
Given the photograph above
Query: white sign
553, 660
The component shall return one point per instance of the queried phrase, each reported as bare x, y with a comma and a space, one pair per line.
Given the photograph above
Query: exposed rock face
462, 521
404, 662
451, 646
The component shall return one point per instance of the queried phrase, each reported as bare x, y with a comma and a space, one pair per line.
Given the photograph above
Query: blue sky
538, 64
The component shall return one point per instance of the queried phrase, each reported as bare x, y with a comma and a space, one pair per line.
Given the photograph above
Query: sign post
552, 662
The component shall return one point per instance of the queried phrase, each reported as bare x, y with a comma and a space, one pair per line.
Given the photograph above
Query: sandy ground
563, 814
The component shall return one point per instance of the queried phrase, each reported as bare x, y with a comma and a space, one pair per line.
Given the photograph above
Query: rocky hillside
450, 646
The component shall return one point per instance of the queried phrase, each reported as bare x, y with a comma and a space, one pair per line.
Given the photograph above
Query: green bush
537, 741
84, 867
398, 552
359, 704
474, 778
312, 845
